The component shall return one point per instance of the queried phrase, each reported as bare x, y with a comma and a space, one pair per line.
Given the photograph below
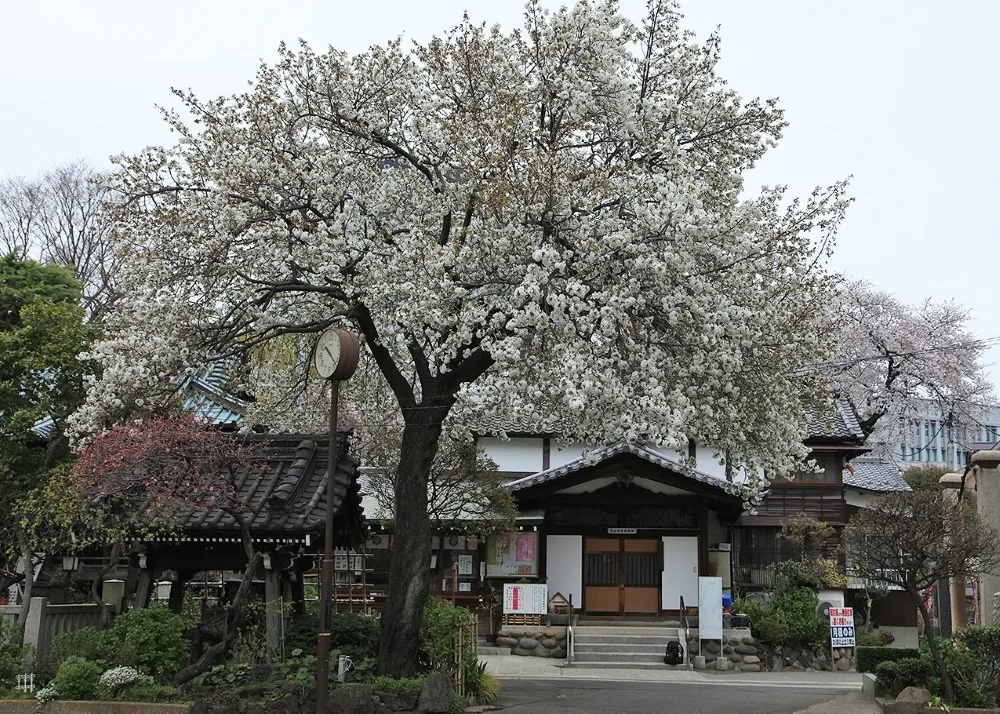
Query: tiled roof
873, 474
608, 452
205, 395
837, 420
286, 491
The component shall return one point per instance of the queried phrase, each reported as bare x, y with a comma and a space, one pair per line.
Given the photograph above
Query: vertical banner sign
525, 599
709, 608
842, 627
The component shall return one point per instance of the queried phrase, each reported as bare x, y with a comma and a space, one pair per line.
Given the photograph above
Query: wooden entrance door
621, 576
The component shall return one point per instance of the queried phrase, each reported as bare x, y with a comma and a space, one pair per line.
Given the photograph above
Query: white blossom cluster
546, 222
46, 694
118, 677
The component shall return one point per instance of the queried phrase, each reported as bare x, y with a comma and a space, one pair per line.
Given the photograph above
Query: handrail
686, 631
569, 633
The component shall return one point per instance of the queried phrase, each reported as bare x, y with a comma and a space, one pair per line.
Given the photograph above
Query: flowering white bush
118, 677
46, 694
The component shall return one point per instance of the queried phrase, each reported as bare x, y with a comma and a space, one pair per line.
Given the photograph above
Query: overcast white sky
900, 94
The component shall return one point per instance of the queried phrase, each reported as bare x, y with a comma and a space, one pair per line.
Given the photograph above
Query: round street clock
336, 355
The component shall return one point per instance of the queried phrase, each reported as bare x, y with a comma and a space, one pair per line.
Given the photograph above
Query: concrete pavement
538, 668
579, 696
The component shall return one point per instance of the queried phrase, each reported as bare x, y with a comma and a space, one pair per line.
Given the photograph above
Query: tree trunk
410, 557
217, 653
949, 690
27, 562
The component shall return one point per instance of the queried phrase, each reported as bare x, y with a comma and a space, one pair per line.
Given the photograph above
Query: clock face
327, 353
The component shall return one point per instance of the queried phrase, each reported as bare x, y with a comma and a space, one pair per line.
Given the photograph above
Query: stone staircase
625, 646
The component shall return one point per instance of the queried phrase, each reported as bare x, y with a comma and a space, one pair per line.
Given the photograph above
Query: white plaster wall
562, 454
859, 499
905, 636
564, 566
680, 572
708, 463
834, 597
522, 454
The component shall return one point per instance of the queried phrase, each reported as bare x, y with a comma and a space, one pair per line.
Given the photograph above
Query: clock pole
345, 362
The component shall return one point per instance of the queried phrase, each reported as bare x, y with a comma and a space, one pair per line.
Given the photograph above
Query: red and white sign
525, 599
842, 627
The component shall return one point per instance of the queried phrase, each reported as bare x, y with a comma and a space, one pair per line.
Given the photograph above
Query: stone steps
622, 646
641, 648
619, 657
606, 664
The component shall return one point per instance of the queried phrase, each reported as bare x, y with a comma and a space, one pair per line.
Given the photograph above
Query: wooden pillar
143, 588
176, 601
272, 603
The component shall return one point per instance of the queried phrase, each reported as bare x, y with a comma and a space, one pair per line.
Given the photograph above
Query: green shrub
791, 619
868, 658
86, 643
458, 705
984, 641
410, 685
77, 678
480, 684
971, 673
353, 634
438, 636
11, 654
894, 677
753, 610
152, 640
880, 638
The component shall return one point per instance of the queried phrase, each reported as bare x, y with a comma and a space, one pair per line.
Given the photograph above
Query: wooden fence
45, 621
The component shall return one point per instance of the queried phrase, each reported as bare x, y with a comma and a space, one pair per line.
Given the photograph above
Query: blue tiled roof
205, 396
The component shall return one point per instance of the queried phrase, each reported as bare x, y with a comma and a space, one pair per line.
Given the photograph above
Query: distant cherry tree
894, 360
545, 222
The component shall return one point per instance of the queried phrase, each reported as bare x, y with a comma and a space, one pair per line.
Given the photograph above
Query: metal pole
326, 586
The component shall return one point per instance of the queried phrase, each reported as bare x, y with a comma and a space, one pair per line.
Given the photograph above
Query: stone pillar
988, 500
951, 483
272, 602
113, 594
34, 629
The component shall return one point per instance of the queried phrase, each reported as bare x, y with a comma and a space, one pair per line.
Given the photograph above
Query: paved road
590, 697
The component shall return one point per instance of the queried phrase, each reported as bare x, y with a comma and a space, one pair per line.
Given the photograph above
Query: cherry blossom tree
893, 359
148, 476
547, 221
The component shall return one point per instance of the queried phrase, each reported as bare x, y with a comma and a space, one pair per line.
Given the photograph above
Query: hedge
868, 658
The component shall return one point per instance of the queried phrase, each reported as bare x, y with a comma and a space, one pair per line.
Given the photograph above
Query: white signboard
525, 599
709, 608
842, 627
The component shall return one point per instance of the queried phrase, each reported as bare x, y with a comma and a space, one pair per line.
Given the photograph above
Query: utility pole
335, 357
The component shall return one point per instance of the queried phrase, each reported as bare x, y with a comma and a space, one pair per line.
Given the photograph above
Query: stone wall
534, 641
740, 651
745, 654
